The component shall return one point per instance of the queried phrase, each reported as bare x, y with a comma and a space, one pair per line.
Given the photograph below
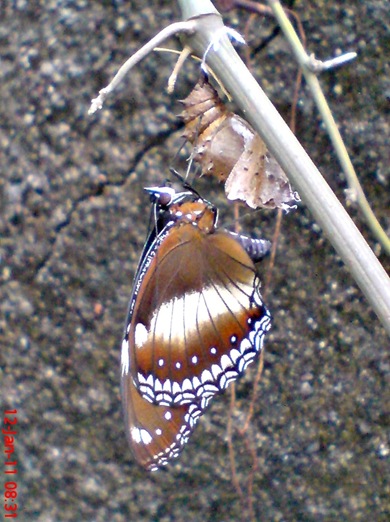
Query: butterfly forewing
193, 335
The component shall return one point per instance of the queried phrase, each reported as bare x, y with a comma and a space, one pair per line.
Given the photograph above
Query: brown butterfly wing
195, 333
156, 434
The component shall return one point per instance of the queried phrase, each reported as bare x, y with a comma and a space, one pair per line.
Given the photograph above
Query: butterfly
196, 320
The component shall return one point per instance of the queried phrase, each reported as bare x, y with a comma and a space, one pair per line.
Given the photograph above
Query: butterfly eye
196, 321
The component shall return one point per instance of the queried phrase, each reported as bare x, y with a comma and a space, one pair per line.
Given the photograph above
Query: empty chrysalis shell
227, 147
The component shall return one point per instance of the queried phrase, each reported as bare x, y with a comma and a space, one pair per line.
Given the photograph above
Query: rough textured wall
73, 220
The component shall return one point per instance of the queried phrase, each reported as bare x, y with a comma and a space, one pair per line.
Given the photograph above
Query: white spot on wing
216, 371
245, 345
225, 362
141, 378
125, 357
206, 376
223, 381
176, 388
196, 382
167, 387
140, 334
241, 365
234, 355
186, 385
140, 435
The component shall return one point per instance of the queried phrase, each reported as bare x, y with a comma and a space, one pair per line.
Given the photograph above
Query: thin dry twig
308, 64
250, 448
232, 457
257, 9
185, 53
186, 27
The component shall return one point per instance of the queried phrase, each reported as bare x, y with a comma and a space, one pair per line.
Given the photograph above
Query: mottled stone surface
73, 219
